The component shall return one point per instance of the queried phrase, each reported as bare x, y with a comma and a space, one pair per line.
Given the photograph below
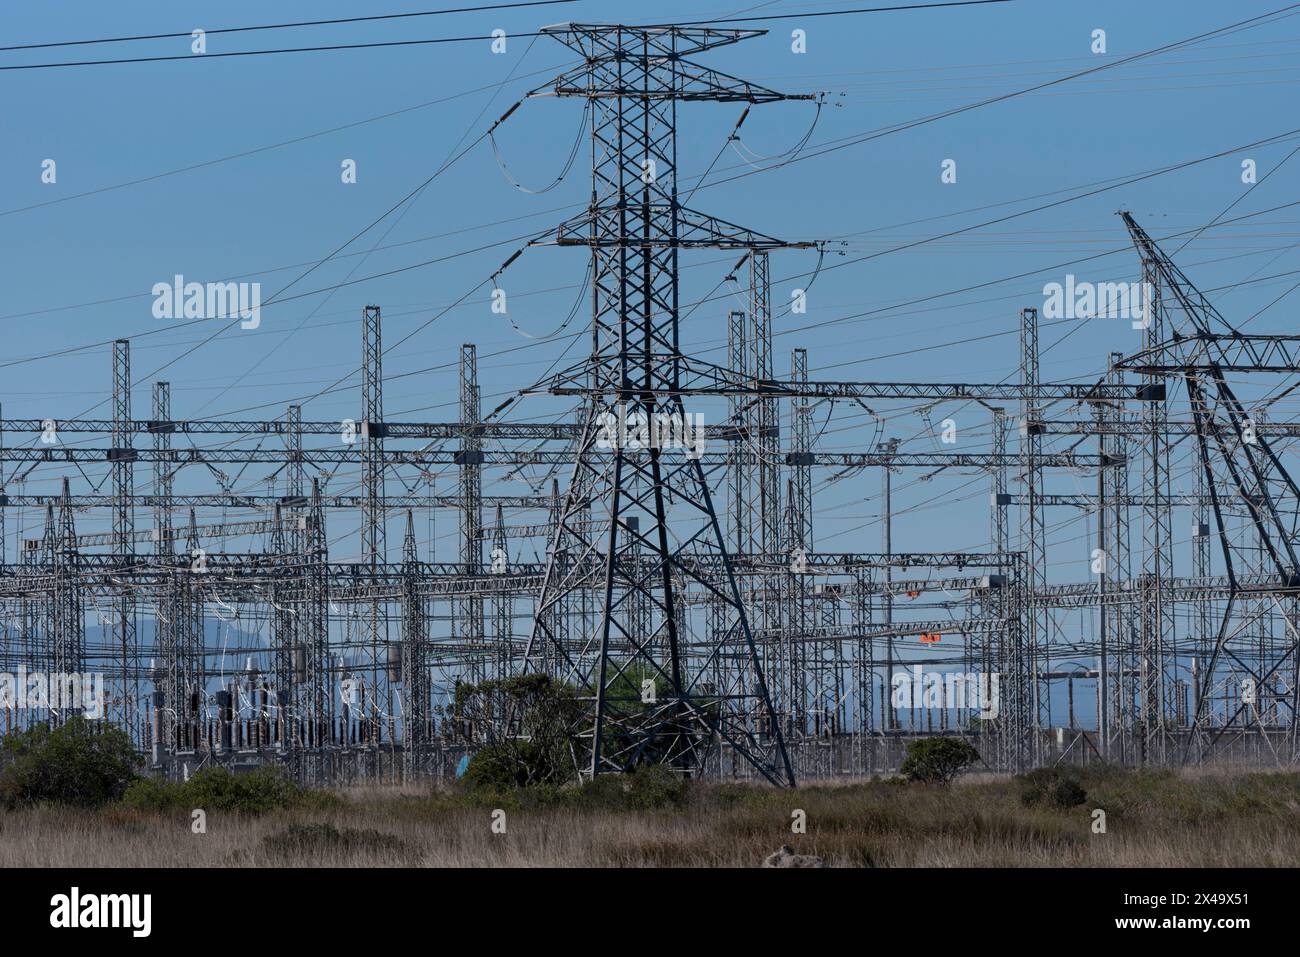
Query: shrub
263, 789
655, 785
541, 752
153, 794
499, 767
644, 788
607, 792
632, 724
1050, 787
545, 752
80, 763
937, 760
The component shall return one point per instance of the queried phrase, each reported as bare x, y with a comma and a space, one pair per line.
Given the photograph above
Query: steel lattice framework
1235, 462
650, 675
683, 597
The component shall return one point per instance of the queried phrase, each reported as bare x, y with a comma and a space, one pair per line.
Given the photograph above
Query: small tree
937, 760
82, 763
537, 747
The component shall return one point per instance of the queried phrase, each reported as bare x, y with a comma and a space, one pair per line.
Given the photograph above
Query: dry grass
1153, 819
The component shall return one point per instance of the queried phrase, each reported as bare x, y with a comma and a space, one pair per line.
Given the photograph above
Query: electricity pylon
639, 526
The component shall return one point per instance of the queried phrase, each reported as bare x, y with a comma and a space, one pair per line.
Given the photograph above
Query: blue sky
79, 271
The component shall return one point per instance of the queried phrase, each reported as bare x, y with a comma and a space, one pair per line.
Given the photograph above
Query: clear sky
262, 139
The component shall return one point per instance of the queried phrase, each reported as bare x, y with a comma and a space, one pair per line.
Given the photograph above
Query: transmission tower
1238, 466
653, 535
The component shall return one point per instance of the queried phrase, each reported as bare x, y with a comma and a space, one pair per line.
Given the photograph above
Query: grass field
1158, 819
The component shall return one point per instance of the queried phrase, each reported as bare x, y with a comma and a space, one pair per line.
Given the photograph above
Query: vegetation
541, 752
89, 764
80, 763
217, 789
937, 760
645, 788
1193, 818
545, 747
1051, 787
639, 697
321, 839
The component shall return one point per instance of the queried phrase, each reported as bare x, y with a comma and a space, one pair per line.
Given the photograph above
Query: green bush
217, 789
656, 785
493, 779
543, 755
1050, 787
937, 760
645, 788
603, 792
153, 794
514, 764
80, 763
541, 752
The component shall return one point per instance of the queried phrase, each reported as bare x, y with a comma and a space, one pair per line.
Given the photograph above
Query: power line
242, 53
401, 43
857, 139
841, 13
274, 146
282, 26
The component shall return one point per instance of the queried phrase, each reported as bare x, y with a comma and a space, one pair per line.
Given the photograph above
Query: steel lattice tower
373, 531
123, 457
1033, 531
1205, 350
652, 503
